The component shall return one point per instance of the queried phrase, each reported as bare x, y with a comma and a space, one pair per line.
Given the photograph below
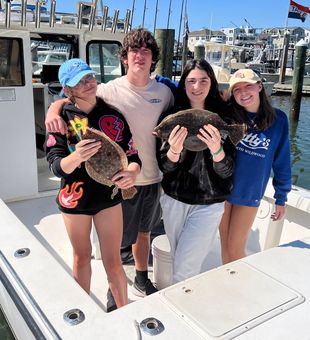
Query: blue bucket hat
72, 71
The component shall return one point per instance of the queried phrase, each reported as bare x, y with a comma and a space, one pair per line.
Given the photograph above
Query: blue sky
213, 14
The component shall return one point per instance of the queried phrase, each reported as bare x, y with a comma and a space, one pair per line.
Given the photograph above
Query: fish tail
114, 192
237, 132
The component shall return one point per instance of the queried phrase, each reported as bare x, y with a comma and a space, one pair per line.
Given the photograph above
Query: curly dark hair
138, 38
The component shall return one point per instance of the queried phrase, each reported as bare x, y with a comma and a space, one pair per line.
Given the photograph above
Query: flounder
108, 161
193, 120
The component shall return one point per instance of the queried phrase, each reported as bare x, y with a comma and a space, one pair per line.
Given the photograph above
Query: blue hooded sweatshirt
257, 154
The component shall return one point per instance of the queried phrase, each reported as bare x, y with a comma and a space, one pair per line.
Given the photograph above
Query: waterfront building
204, 35
240, 36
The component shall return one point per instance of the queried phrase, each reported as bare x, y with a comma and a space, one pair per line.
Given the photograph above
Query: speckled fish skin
107, 162
193, 120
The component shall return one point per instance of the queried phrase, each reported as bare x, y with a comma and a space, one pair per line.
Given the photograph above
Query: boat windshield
48, 53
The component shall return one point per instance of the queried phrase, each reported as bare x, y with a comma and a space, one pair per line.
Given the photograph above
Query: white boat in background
264, 61
274, 77
264, 296
219, 55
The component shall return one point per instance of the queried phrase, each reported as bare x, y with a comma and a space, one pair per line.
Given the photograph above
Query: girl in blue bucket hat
81, 200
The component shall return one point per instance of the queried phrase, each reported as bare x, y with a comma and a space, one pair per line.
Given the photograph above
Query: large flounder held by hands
193, 120
108, 161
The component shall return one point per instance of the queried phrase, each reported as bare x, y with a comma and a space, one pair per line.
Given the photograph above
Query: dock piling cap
301, 42
199, 43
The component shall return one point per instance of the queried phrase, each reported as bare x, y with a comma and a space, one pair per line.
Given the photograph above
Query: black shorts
141, 213
88, 211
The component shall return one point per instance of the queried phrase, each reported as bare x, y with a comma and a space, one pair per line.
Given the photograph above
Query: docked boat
219, 55
266, 61
264, 296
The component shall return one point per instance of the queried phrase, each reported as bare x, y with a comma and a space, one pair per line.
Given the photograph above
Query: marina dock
279, 89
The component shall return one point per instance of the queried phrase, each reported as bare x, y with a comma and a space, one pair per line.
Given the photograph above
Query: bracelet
217, 152
175, 153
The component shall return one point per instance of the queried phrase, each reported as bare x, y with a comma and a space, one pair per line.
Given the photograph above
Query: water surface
300, 140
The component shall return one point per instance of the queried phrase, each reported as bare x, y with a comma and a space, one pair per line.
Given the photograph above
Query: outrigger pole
155, 19
169, 12
178, 44
144, 9
185, 38
132, 11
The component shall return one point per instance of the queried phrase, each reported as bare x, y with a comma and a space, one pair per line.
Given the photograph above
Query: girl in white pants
195, 184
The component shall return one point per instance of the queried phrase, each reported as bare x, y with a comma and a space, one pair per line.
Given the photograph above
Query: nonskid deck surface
43, 219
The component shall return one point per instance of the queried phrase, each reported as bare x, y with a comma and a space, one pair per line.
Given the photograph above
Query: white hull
274, 77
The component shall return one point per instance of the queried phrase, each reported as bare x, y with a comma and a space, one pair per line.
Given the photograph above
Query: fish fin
237, 132
224, 134
129, 193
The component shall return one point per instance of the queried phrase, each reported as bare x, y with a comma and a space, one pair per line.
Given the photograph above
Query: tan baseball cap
245, 75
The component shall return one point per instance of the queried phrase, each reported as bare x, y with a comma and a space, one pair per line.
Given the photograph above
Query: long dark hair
213, 101
265, 115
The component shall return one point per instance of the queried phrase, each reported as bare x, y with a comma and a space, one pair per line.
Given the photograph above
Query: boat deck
46, 288
46, 224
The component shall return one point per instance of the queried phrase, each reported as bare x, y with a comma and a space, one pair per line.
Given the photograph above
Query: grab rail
11, 276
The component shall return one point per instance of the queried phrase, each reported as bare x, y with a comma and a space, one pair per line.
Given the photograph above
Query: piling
298, 79
284, 58
199, 50
165, 41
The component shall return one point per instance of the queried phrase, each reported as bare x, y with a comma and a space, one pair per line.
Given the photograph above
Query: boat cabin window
49, 53
104, 59
11, 62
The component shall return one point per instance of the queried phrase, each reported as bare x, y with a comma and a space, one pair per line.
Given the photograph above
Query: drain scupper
152, 326
22, 252
74, 316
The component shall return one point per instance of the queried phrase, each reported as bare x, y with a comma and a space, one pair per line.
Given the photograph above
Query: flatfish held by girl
193, 120
107, 162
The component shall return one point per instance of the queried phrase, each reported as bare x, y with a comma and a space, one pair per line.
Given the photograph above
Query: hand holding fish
176, 141
192, 120
211, 136
126, 179
86, 148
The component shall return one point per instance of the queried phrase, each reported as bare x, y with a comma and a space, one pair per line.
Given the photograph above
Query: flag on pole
297, 11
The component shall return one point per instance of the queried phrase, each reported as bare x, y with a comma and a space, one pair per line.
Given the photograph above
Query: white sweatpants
191, 230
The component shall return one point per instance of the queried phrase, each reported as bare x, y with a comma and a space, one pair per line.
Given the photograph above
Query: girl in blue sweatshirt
264, 148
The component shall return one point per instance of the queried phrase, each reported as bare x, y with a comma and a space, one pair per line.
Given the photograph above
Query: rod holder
23, 13
7, 14
52, 13
79, 19
104, 18
38, 14
115, 19
92, 15
127, 20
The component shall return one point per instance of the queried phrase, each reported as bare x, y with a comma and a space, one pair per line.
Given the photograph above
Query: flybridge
35, 11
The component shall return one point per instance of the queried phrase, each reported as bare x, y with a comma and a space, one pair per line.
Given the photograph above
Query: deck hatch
230, 300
